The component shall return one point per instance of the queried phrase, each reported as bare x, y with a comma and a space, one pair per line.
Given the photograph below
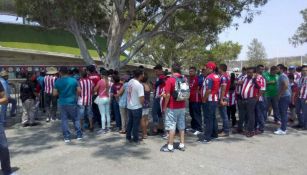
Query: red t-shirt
195, 96
95, 77
169, 89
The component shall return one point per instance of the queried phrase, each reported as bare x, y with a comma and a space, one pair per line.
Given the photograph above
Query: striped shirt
225, 81
86, 86
262, 86
211, 82
232, 98
250, 88
302, 85
241, 78
49, 81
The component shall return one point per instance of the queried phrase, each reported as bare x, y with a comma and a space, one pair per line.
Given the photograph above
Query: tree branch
132, 54
142, 5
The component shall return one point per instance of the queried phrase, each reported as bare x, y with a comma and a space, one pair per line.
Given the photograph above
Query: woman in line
103, 102
145, 111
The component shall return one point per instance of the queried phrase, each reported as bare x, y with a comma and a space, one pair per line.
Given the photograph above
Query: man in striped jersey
223, 98
301, 107
210, 99
239, 84
249, 93
260, 106
50, 101
85, 100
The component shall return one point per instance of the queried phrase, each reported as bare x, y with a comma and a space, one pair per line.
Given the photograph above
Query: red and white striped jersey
49, 81
250, 88
297, 77
86, 86
212, 82
232, 98
262, 86
239, 86
302, 85
225, 80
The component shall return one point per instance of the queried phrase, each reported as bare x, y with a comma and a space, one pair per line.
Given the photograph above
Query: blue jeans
66, 112
50, 105
134, 118
156, 111
224, 116
4, 152
283, 105
274, 102
260, 113
210, 120
195, 113
116, 112
301, 111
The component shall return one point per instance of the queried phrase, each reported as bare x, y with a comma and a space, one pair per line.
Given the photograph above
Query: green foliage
256, 53
226, 51
300, 37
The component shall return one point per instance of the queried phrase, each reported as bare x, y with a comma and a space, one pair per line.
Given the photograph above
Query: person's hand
223, 103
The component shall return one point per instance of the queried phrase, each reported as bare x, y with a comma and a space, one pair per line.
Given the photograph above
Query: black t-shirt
27, 91
1, 88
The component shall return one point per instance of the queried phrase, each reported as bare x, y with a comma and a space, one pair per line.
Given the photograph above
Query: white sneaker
196, 133
66, 140
280, 132
47, 119
79, 138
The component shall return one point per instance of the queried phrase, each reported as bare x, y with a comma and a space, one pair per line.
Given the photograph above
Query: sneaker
165, 149
196, 133
79, 138
101, 131
53, 120
47, 119
67, 140
280, 132
204, 141
223, 134
181, 148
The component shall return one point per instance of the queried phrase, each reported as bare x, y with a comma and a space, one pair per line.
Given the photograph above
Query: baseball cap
211, 65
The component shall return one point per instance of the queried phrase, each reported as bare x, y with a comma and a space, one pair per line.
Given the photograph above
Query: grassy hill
38, 38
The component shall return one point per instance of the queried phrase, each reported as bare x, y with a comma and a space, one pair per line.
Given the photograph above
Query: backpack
182, 89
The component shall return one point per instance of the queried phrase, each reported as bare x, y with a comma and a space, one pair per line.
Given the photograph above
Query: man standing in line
301, 107
260, 106
135, 101
249, 93
271, 93
239, 84
174, 110
156, 109
195, 102
224, 97
284, 96
50, 100
68, 89
210, 90
4, 150
95, 77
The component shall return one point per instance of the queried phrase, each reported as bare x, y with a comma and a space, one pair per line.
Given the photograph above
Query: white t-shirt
135, 91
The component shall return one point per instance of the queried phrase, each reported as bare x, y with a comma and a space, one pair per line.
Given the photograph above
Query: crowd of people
91, 99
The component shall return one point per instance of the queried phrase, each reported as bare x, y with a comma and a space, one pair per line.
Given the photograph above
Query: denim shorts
85, 111
173, 118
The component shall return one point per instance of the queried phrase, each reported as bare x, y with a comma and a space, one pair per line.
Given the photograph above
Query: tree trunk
74, 29
115, 39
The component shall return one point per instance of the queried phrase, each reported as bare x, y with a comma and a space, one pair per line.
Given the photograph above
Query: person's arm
97, 87
141, 94
3, 97
208, 85
78, 91
167, 95
283, 88
55, 91
121, 91
223, 91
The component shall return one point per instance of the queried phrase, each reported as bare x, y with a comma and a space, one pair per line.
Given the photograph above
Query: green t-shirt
67, 88
271, 88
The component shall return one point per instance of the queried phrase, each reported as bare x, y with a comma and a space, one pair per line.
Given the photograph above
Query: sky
277, 22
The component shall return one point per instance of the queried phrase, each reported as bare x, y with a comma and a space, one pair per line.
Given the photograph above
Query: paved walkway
40, 150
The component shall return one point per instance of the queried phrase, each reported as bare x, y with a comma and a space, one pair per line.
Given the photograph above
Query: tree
130, 24
256, 53
226, 51
300, 37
